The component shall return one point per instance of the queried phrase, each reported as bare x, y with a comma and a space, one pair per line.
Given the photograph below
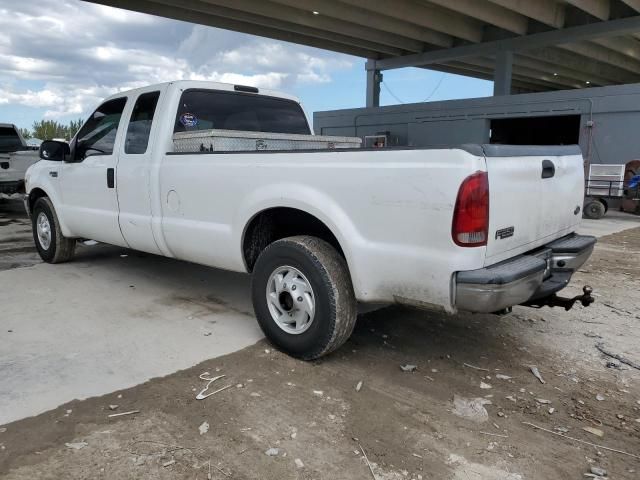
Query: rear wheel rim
290, 300
43, 230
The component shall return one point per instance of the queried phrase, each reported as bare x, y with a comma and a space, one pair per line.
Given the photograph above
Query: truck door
135, 164
88, 189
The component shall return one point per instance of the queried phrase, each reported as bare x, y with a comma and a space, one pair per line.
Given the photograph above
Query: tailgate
535, 196
14, 165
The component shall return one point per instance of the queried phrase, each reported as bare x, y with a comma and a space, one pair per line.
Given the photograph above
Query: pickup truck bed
473, 227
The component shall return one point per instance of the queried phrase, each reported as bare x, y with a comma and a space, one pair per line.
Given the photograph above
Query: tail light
471, 215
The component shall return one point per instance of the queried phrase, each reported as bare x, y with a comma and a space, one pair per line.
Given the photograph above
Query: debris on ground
614, 363
169, 463
536, 373
621, 358
599, 397
366, 459
76, 445
132, 412
272, 452
203, 428
601, 472
500, 376
409, 368
318, 393
205, 376
476, 368
359, 386
299, 463
543, 401
594, 431
485, 386
471, 408
113, 407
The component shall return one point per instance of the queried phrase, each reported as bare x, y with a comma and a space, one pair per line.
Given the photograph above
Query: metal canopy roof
552, 44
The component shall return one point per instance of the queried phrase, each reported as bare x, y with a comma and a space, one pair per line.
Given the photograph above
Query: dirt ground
286, 419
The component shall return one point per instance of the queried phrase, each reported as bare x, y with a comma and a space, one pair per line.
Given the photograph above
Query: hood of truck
529, 208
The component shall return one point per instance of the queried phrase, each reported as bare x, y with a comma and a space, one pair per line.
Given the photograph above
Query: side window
217, 109
98, 135
139, 128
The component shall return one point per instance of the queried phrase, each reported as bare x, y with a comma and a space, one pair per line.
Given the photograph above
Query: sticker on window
189, 120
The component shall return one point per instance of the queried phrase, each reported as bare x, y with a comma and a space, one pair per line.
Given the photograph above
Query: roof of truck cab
203, 84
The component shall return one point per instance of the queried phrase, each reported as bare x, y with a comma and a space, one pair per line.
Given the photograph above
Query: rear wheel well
34, 195
282, 222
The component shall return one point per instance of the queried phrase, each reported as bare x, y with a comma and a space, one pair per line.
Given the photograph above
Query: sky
60, 58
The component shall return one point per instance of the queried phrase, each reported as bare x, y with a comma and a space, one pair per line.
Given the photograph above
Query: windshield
9, 140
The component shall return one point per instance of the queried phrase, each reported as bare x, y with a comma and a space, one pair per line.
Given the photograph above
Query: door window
139, 129
98, 135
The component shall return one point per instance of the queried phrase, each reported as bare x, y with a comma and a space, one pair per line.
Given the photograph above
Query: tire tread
335, 272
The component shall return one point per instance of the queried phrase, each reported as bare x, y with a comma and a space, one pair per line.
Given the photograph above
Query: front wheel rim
43, 230
290, 300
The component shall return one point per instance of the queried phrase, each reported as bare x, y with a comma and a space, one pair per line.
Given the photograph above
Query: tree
73, 127
48, 129
26, 133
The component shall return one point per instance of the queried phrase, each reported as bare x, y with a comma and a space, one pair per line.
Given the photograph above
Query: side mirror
54, 150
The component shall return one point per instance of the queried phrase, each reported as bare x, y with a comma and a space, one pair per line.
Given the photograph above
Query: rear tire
52, 246
319, 315
594, 210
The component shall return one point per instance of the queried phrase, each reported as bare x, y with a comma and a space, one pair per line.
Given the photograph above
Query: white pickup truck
15, 158
477, 228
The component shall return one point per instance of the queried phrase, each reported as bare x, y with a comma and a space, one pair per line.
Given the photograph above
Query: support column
374, 78
503, 73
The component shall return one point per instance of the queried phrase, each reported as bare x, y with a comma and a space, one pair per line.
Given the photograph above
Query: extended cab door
88, 183
135, 164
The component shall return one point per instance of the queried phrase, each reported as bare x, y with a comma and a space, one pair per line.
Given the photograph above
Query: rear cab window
10, 140
217, 109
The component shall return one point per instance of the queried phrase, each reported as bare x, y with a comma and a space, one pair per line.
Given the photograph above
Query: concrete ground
613, 222
109, 320
98, 327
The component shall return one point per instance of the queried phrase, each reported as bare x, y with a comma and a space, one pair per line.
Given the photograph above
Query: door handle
53, 173
111, 180
548, 169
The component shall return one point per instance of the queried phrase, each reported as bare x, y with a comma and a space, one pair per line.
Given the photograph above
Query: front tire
52, 246
303, 296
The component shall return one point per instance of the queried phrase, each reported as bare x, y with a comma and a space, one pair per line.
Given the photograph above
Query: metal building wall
609, 126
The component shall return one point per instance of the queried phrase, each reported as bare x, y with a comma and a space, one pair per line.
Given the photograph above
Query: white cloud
79, 53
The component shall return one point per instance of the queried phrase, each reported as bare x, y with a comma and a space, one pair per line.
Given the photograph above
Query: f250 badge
504, 233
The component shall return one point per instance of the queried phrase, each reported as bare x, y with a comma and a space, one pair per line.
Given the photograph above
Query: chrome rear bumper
524, 278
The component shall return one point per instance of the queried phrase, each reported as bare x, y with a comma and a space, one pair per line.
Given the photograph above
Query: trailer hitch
554, 300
